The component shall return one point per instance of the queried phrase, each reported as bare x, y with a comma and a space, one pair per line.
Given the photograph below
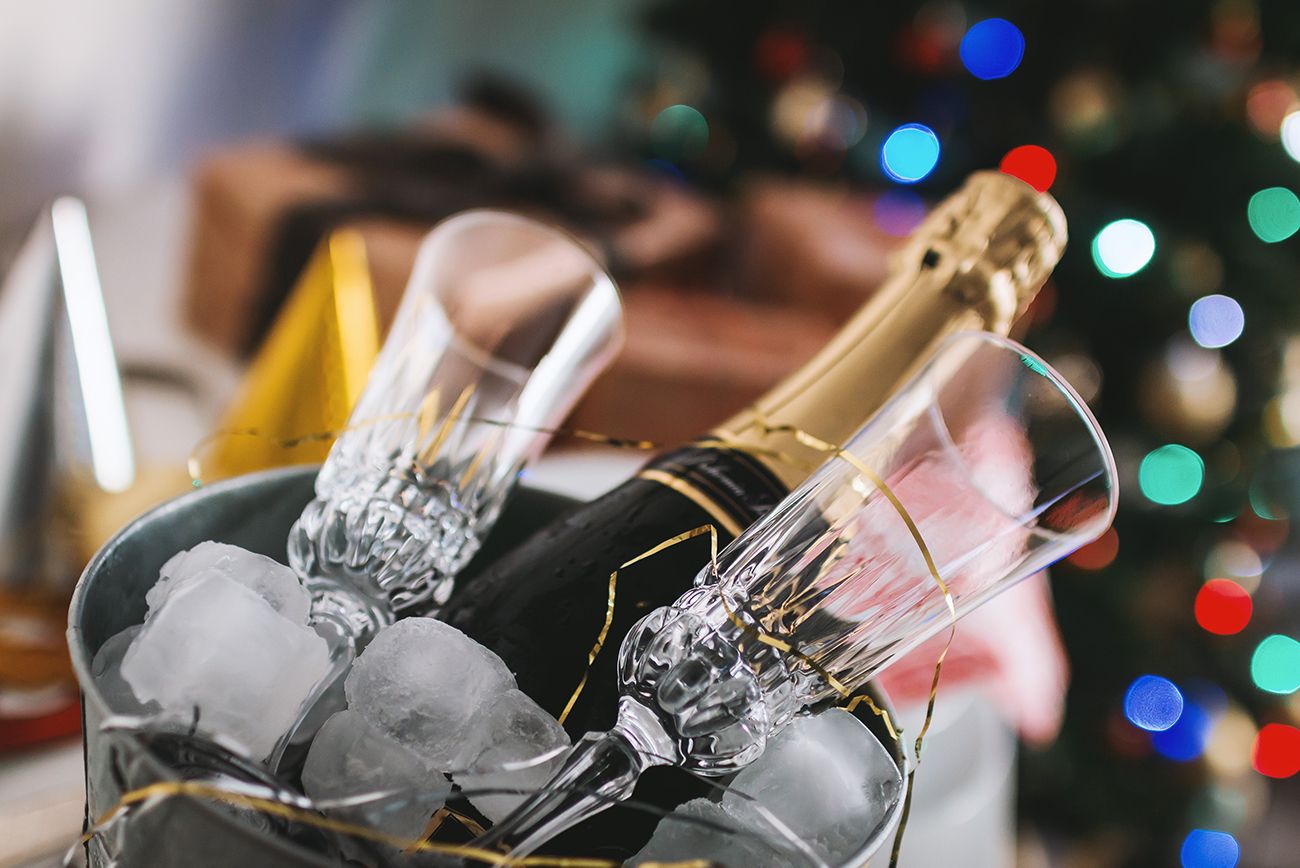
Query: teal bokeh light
1171, 474
1275, 665
679, 133
1274, 214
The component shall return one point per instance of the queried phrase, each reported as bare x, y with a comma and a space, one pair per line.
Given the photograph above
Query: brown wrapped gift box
718, 310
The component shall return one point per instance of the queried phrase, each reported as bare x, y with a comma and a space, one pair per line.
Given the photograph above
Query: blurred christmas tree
1172, 132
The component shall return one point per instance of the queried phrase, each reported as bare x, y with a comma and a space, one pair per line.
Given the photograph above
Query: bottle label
734, 488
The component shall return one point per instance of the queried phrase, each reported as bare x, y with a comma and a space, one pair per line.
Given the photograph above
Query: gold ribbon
195, 467
196, 789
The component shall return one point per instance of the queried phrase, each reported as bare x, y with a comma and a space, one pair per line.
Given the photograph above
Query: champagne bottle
974, 263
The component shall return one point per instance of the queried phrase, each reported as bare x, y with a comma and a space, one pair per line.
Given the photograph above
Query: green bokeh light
679, 133
1275, 665
1274, 214
1171, 474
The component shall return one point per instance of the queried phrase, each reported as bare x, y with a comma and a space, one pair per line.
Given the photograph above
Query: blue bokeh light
910, 153
1185, 740
992, 48
1153, 703
1216, 321
1205, 849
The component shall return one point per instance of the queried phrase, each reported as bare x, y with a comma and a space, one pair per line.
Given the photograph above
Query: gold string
195, 468
439, 817
196, 789
609, 605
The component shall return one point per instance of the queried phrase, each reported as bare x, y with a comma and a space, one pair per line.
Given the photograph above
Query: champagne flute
983, 469
504, 324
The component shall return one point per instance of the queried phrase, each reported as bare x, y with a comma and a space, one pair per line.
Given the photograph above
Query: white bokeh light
1291, 135
1123, 248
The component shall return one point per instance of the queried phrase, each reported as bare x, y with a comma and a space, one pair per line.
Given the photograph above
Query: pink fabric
1011, 647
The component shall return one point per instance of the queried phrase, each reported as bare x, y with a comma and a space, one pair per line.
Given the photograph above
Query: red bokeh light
1099, 553
1034, 165
779, 53
1223, 607
1276, 751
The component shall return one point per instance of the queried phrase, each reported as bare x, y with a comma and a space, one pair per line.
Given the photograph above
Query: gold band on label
699, 498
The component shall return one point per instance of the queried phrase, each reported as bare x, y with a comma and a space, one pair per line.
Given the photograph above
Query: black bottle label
541, 606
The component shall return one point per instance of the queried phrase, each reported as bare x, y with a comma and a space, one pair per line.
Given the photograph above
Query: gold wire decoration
196, 465
197, 789
441, 816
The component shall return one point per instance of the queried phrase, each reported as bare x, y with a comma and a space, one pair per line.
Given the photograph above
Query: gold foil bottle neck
975, 263
995, 241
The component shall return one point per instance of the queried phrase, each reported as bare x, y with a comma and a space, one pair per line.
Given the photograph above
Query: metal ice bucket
254, 512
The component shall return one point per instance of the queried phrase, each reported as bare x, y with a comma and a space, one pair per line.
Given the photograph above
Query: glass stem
327, 696
602, 769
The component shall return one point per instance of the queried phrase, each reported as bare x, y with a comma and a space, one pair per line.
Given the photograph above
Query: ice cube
827, 778
702, 830
270, 579
216, 648
422, 681
106, 669
506, 735
349, 757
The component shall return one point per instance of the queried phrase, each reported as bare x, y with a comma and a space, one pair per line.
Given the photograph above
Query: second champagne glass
984, 469
504, 324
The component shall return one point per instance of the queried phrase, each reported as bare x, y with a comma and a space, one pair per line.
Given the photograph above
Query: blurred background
745, 169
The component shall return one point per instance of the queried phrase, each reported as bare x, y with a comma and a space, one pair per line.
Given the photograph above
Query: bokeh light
1275, 665
1203, 848
1267, 104
1087, 107
1123, 248
1098, 554
1153, 703
840, 116
1223, 607
1235, 560
992, 48
1197, 268
1216, 321
1186, 739
1220, 805
1171, 474
794, 104
1290, 134
678, 133
898, 212
779, 53
910, 153
1276, 752
1274, 214
1081, 372
1228, 750
1034, 165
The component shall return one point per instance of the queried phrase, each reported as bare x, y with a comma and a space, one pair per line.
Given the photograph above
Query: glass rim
1075, 402
553, 231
